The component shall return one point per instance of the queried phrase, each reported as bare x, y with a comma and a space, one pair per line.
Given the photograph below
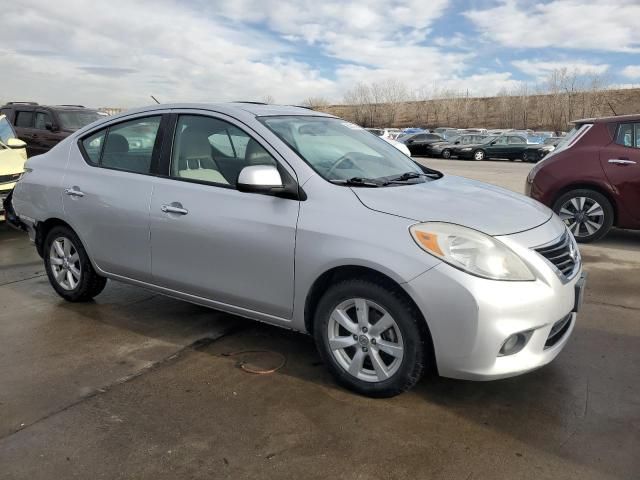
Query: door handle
621, 161
73, 192
174, 208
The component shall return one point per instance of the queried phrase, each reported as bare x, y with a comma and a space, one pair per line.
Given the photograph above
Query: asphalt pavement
136, 385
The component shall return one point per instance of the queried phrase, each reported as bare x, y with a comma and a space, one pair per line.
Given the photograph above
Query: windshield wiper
411, 176
359, 182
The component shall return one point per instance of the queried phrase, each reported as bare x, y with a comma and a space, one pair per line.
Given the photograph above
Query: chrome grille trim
558, 253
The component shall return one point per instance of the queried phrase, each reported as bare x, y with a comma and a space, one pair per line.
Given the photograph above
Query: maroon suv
592, 179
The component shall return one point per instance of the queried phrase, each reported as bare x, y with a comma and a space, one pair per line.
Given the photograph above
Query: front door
107, 190
621, 163
212, 241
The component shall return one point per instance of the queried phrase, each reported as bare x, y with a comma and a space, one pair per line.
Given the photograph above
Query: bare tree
316, 103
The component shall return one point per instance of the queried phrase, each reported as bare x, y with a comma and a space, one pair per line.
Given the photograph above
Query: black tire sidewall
446, 153
604, 202
406, 317
89, 284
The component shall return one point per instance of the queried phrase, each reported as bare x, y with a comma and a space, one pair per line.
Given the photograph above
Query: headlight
470, 250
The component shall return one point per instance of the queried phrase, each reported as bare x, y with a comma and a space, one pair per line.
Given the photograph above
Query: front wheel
586, 213
369, 337
68, 267
478, 155
446, 153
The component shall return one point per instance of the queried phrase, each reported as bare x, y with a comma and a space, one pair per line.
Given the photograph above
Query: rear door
23, 122
516, 146
107, 190
621, 162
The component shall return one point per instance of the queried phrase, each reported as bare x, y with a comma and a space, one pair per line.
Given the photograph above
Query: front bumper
5, 190
470, 317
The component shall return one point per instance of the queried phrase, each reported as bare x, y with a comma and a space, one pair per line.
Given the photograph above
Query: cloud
631, 71
541, 69
571, 24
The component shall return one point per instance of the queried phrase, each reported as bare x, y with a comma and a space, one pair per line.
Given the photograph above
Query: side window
637, 128
93, 146
211, 150
24, 119
6, 131
42, 118
625, 135
501, 141
129, 145
516, 140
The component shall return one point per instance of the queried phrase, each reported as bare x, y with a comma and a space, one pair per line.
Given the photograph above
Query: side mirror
457, 142
49, 126
493, 142
16, 143
409, 141
260, 179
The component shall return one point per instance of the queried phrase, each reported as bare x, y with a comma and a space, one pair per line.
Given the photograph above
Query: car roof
618, 118
231, 108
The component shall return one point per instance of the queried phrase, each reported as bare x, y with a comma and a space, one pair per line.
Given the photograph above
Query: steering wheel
338, 162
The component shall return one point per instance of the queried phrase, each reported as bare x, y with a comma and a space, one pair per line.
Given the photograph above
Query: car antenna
611, 107
155, 99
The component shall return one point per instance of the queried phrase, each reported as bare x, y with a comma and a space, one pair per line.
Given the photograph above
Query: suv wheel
587, 214
369, 337
68, 267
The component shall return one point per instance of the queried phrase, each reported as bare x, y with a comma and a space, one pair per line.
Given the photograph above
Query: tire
407, 340
479, 155
525, 157
446, 153
588, 214
68, 266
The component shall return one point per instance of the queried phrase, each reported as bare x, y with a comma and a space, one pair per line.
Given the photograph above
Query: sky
117, 53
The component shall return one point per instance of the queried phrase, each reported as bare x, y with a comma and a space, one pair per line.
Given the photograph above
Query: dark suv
592, 178
42, 127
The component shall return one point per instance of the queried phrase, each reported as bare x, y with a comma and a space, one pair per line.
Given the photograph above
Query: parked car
303, 220
444, 149
43, 126
507, 146
592, 178
419, 142
399, 145
12, 158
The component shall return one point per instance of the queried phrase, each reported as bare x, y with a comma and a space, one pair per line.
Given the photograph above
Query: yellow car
13, 154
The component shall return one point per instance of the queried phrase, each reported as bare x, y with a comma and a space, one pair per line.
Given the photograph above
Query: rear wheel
526, 157
446, 153
588, 214
68, 267
478, 155
369, 337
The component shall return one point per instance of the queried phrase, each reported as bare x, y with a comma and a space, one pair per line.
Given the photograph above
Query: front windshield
339, 150
6, 130
75, 120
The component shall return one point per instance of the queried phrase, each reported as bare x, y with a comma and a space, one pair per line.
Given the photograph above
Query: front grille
10, 178
557, 331
563, 254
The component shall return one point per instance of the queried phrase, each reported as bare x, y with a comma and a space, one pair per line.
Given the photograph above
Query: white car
12, 157
399, 145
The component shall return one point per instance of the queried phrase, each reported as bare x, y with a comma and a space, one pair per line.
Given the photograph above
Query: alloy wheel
582, 215
479, 155
365, 340
65, 263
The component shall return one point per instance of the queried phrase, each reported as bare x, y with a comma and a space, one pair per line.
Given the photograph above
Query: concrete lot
135, 386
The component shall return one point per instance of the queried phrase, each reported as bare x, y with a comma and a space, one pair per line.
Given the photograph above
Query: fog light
515, 343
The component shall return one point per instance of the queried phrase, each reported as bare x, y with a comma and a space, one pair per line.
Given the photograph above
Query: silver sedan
306, 221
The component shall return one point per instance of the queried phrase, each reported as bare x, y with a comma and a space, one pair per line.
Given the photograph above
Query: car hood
487, 208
